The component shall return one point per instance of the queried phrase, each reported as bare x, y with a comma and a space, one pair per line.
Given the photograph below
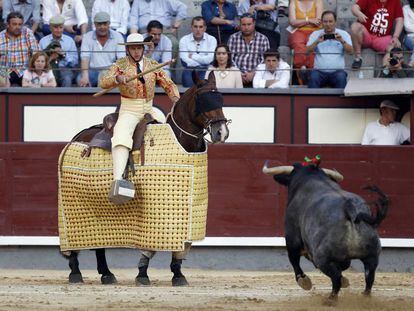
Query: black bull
328, 225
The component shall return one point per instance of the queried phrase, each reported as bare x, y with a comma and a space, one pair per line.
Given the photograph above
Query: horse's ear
196, 79
212, 78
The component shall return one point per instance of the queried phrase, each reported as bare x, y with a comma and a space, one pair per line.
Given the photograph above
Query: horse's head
209, 108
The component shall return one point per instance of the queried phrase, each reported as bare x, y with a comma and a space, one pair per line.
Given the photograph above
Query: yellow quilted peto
170, 204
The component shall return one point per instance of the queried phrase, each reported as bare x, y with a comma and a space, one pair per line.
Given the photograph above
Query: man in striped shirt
17, 44
247, 47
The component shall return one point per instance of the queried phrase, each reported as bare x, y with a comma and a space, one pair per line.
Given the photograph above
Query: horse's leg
142, 277
75, 275
178, 278
107, 276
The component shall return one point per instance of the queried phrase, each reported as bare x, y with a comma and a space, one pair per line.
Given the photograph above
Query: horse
197, 113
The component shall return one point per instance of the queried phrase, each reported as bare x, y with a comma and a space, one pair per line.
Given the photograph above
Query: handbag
264, 21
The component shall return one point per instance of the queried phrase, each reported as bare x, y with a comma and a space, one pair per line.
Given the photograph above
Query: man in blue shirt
62, 52
30, 9
329, 45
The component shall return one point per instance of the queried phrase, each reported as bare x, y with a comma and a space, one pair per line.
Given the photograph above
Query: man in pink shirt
375, 21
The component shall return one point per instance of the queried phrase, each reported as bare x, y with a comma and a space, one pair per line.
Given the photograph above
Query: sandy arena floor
208, 290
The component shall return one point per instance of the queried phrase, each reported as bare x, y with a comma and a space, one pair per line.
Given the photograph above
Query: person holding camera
329, 45
160, 47
395, 67
62, 52
266, 14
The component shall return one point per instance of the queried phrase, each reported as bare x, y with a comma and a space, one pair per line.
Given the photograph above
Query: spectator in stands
62, 52
74, 12
395, 66
304, 18
17, 44
375, 20
30, 10
100, 48
272, 73
170, 13
408, 11
196, 50
386, 131
265, 13
2, 24
329, 45
161, 48
247, 47
117, 9
220, 16
227, 75
39, 73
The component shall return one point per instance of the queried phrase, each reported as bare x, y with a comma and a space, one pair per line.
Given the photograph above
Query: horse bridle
207, 122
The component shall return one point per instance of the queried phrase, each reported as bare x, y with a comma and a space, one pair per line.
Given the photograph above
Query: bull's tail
382, 208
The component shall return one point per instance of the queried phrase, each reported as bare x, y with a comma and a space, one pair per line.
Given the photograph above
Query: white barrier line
208, 241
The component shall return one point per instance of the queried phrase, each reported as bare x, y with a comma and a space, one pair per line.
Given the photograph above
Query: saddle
102, 139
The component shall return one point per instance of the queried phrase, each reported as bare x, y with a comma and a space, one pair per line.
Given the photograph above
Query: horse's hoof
305, 282
344, 282
142, 281
331, 301
367, 293
75, 278
179, 281
108, 279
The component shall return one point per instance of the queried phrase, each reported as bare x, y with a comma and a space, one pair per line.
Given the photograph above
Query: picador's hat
135, 39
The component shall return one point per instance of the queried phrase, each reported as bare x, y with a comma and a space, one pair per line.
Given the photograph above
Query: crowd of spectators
246, 32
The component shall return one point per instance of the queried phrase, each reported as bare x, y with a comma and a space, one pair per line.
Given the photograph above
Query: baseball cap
57, 20
389, 104
101, 17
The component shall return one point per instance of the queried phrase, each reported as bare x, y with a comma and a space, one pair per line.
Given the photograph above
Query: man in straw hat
136, 100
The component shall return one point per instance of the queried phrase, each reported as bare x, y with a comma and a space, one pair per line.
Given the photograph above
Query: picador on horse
129, 216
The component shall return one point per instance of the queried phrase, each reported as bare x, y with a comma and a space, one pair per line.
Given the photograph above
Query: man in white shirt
196, 50
74, 12
161, 48
100, 48
273, 72
117, 9
386, 131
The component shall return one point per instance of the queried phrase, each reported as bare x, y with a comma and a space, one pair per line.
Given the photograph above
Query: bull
327, 225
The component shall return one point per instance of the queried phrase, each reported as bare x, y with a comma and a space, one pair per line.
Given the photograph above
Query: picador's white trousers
131, 112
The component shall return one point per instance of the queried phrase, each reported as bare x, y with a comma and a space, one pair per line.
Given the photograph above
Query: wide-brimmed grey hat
135, 39
57, 20
389, 104
101, 17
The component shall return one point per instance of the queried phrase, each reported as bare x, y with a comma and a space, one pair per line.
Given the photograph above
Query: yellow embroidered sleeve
166, 83
108, 79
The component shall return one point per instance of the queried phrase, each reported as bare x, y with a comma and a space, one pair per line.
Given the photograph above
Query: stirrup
121, 191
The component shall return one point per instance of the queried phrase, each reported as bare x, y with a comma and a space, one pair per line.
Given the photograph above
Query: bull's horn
333, 174
277, 169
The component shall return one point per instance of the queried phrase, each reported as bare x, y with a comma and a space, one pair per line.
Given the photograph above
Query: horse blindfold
208, 101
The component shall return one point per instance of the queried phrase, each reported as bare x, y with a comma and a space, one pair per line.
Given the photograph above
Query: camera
393, 61
329, 36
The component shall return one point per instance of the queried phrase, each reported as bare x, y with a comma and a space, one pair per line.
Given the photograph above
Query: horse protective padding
170, 204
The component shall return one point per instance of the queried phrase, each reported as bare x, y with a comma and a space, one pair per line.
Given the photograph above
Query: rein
207, 123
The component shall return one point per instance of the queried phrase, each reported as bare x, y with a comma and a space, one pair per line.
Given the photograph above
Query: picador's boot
178, 278
121, 190
142, 277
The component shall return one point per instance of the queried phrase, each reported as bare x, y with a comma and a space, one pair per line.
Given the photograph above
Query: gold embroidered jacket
134, 88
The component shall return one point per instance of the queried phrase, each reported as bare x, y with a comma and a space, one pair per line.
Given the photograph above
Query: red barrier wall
243, 201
